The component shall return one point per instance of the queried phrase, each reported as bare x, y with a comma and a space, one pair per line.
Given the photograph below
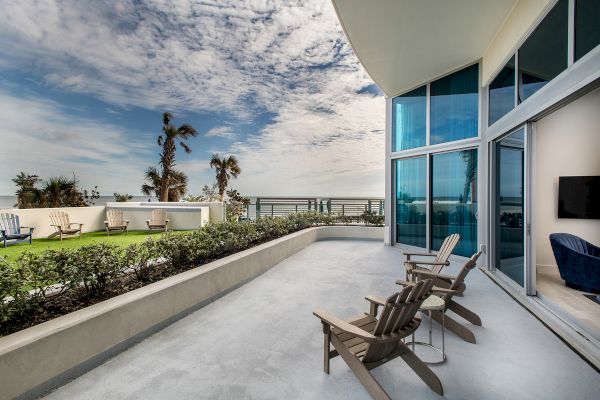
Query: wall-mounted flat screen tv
579, 197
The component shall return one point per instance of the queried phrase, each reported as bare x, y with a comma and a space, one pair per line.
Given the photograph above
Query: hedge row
34, 281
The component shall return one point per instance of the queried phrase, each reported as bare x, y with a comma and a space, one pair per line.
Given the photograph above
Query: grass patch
74, 242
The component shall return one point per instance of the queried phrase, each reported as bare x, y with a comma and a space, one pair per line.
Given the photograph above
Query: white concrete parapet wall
92, 218
182, 215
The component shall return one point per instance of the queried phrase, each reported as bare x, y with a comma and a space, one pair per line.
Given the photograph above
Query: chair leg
326, 341
421, 369
455, 327
465, 313
360, 371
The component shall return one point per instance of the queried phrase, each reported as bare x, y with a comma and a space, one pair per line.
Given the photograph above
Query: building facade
488, 105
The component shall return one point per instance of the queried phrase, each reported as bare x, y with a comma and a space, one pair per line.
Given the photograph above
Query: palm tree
176, 189
170, 184
27, 194
226, 168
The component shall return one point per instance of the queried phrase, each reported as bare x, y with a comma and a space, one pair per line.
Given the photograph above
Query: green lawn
73, 242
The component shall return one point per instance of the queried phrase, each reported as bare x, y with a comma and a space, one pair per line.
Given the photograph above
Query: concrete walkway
262, 342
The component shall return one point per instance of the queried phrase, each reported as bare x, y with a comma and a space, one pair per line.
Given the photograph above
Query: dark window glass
502, 93
411, 189
409, 118
544, 54
587, 26
510, 230
454, 106
454, 200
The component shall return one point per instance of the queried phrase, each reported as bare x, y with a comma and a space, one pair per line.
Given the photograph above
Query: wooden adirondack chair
457, 287
158, 220
440, 261
115, 221
366, 342
63, 226
11, 229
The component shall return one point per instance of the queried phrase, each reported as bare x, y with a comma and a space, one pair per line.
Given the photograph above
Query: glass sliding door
454, 199
411, 204
510, 206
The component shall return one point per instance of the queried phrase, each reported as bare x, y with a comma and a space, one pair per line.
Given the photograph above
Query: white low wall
92, 218
182, 215
47, 355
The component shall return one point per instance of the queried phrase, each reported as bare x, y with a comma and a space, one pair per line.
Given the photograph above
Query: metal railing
352, 207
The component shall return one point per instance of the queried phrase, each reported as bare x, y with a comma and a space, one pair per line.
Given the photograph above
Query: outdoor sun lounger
158, 220
11, 229
366, 342
63, 226
115, 221
456, 288
435, 266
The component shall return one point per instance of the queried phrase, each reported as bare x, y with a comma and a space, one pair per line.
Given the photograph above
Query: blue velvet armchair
578, 261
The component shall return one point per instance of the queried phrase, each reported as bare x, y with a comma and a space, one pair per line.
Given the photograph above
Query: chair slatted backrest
398, 312
60, 219
445, 251
10, 224
458, 283
159, 217
114, 217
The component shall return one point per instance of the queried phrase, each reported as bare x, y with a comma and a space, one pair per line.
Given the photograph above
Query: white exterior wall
181, 215
92, 218
567, 144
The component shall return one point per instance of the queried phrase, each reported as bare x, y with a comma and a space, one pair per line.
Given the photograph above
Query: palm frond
185, 147
167, 117
186, 131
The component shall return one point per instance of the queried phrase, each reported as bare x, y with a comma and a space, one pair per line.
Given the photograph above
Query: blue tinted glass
544, 54
411, 189
454, 200
454, 106
510, 238
502, 93
409, 118
587, 26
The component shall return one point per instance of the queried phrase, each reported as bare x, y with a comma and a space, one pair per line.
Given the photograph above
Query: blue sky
83, 85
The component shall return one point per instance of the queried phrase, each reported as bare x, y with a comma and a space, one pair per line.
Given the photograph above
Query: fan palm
170, 184
225, 168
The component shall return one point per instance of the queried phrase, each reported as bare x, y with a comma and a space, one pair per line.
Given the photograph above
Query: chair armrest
432, 274
167, 220
75, 223
429, 262
375, 300
410, 253
148, 221
403, 283
342, 325
440, 290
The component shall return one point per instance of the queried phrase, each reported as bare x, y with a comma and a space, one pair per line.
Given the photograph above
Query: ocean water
9, 201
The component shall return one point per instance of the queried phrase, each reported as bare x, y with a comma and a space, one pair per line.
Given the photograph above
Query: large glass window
502, 92
411, 189
454, 199
544, 54
455, 106
409, 120
510, 200
587, 26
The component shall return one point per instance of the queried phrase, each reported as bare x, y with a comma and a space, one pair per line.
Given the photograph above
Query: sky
84, 83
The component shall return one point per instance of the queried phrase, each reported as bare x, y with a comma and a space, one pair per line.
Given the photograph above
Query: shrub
46, 273
94, 267
140, 257
13, 294
371, 218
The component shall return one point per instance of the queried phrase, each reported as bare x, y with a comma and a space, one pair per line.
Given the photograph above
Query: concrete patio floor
261, 341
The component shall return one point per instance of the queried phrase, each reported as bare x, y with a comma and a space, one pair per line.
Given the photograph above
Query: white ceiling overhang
405, 43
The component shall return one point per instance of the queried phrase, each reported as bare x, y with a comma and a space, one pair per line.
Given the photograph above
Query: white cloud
237, 57
221, 131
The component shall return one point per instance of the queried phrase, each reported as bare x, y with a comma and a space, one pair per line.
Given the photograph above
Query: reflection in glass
544, 54
510, 205
409, 113
454, 106
502, 92
454, 200
587, 26
411, 189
